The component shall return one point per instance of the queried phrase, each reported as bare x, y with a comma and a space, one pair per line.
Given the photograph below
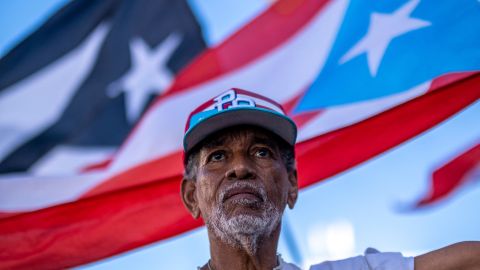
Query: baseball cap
237, 107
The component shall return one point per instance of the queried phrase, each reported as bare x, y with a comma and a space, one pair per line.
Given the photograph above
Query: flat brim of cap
277, 123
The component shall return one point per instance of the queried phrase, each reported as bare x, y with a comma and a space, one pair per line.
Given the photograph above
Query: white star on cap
382, 29
147, 75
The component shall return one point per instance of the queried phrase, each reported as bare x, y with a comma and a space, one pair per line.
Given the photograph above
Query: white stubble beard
244, 231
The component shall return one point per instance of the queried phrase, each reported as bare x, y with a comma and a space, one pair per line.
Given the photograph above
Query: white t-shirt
370, 261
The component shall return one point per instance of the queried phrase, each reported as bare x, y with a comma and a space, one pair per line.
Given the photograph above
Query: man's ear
188, 197
293, 189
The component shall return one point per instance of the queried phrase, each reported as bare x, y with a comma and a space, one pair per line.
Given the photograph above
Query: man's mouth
245, 193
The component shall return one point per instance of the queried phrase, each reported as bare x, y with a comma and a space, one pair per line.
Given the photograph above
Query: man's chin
247, 224
241, 225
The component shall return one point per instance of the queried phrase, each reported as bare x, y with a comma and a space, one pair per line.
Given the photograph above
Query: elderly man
240, 175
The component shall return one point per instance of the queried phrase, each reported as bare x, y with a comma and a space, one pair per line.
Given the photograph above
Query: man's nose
240, 169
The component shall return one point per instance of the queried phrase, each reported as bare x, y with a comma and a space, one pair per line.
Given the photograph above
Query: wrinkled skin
225, 163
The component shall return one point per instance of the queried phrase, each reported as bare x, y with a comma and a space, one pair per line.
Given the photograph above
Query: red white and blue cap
237, 107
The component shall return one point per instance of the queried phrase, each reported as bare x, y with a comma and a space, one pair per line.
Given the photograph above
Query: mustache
243, 187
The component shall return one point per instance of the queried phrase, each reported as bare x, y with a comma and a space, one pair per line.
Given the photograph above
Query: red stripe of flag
452, 175
91, 229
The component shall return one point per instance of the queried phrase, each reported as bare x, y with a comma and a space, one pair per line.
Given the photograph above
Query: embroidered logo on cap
230, 99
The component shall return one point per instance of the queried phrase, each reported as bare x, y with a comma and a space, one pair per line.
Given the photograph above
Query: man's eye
262, 152
217, 156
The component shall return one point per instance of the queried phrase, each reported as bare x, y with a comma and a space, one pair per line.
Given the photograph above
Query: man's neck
225, 256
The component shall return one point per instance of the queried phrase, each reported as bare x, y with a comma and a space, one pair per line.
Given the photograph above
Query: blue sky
340, 217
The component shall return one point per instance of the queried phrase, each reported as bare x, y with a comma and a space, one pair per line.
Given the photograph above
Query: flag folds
357, 78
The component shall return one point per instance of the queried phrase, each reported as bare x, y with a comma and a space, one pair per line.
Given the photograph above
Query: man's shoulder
369, 261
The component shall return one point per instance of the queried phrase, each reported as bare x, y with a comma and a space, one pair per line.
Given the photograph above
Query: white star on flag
148, 74
382, 30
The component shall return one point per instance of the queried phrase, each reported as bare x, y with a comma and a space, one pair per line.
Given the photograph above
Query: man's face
242, 185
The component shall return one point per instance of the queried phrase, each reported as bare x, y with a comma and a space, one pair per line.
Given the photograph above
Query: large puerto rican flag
357, 77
